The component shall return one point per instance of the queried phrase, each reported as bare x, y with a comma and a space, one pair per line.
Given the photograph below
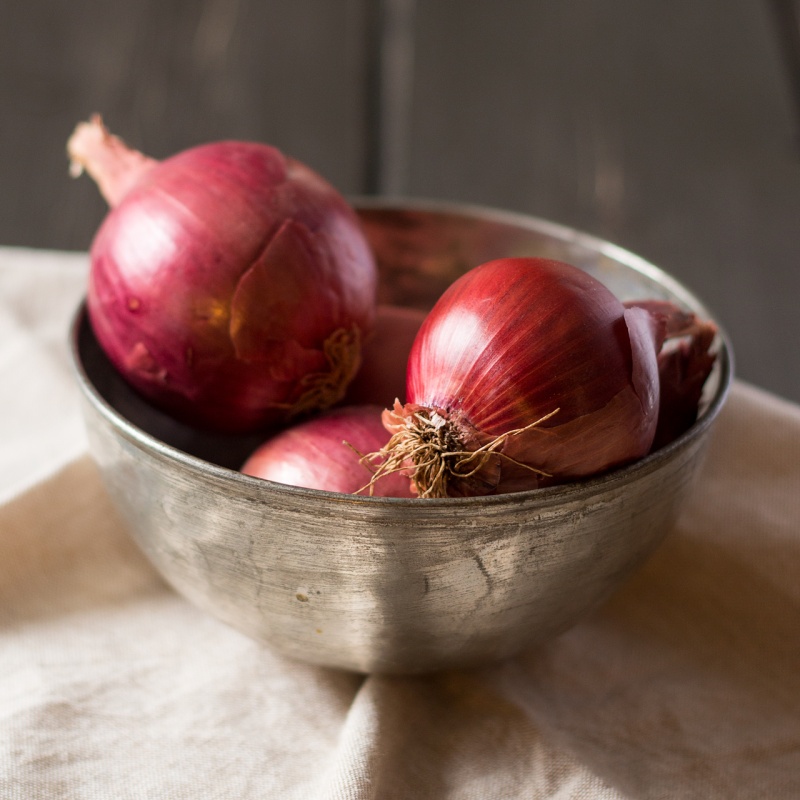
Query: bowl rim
571, 491
533, 223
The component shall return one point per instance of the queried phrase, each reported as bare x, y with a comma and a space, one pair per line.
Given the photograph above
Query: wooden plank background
670, 129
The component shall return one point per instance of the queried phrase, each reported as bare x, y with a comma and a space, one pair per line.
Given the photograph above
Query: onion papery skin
684, 363
535, 344
384, 357
230, 285
323, 452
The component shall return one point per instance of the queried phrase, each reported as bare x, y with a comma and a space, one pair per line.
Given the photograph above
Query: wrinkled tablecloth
685, 684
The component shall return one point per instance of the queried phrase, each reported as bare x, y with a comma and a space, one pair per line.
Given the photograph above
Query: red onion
323, 453
229, 284
527, 372
382, 376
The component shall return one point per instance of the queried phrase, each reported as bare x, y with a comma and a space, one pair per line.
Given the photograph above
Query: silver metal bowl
394, 585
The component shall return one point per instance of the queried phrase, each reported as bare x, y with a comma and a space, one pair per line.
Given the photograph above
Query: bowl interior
421, 247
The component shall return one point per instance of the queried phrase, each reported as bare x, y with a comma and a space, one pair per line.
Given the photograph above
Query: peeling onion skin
684, 364
515, 340
318, 454
230, 285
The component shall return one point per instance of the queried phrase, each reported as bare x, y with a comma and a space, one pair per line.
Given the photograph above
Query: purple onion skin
217, 279
382, 377
517, 339
319, 454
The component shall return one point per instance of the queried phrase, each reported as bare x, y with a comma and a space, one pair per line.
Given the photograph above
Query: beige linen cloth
686, 684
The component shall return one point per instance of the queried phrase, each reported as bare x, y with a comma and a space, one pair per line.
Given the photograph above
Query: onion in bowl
325, 452
528, 372
231, 285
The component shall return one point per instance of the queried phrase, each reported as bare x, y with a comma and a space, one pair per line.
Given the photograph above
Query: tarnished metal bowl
394, 585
